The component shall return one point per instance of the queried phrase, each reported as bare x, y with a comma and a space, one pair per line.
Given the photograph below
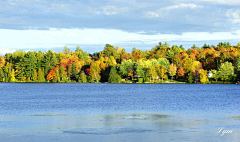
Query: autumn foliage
51, 75
160, 63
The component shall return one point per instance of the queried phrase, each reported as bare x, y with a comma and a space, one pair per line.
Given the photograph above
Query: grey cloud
151, 17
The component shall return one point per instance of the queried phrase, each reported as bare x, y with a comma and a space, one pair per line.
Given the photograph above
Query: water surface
118, 112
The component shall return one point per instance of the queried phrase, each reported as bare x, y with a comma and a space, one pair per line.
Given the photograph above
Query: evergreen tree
20, 70
74, 72
30, 63
113, 76
191, 78
81, 54
49, 61
39, 57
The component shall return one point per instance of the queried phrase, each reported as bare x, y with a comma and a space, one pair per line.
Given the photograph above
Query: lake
119, 112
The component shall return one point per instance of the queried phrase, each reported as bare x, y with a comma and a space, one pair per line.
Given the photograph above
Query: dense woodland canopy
114, 64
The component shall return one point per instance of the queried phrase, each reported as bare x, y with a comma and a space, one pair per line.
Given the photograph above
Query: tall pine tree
113, 76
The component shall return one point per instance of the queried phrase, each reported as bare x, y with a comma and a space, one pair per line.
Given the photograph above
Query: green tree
175, 49
74, 72
66, 50
191, 78
164, 62
20, 70
82, 78
69, 71
176, 61
7, 71
30, 63
39, 57
127, 68
34, 76
62, 73
40, 75
139, 70
2, 77
237, 64
81, 54
214, 74
134, 49
109, 50
49, 61
169, 54
113, 76
225, 71
56, 70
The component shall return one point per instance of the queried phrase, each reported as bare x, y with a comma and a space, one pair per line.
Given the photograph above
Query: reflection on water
118, 112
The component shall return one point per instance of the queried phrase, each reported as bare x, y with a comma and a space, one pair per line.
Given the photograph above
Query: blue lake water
119, 112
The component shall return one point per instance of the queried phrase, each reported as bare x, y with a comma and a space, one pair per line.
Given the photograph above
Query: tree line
114, 64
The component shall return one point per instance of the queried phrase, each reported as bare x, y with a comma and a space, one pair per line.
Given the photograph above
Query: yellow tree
161, 70
12, 75
79, 64
203, 76
89, 61
172, 70
188, 65
95, 71
34, 75
152, 72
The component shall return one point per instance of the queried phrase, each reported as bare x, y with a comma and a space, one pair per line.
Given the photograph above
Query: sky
34, 25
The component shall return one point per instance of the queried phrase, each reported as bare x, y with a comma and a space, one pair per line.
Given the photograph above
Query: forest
162, 64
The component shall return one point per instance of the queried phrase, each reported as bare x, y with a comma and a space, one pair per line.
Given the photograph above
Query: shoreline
124, 83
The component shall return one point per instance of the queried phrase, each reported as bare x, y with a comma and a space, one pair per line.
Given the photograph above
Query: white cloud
222, 2
192, 6
112, 10
234, 16
30, 39
109, 10
6, 50
151, 14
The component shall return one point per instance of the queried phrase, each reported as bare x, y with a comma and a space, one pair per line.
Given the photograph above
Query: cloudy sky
43, 24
